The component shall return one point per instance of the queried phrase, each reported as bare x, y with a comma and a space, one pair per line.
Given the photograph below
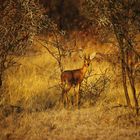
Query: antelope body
73, 78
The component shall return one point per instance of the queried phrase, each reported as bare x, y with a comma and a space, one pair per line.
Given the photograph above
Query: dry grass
34, 87
99, 122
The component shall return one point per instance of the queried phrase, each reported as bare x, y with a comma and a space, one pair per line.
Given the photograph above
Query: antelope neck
84, 69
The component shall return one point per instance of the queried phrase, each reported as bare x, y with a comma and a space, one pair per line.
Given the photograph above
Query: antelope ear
92, 55
85, 57
88, 56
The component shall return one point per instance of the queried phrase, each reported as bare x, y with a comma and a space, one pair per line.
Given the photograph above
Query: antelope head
88, 59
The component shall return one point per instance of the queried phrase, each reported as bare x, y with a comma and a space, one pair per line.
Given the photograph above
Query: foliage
120, 18
20, 21
92, 90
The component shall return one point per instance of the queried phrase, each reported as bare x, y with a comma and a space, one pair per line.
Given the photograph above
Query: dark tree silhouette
19, 22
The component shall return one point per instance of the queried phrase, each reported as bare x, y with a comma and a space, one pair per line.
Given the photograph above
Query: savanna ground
35, 112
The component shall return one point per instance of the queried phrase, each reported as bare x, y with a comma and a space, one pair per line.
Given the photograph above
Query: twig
138, 95
47, 49
124, 106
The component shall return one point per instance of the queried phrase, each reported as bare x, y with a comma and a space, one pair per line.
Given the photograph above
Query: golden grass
34, 87
99, 122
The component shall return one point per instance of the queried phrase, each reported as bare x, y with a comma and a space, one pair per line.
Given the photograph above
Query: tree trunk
1, 76
132, 84
1, 70
60, 10
0, 81
131, 77
124, 78
123, 60
123, 65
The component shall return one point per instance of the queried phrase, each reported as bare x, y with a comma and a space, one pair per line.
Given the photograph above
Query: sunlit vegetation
42, 43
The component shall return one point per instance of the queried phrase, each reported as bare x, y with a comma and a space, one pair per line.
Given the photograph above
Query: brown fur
73, 78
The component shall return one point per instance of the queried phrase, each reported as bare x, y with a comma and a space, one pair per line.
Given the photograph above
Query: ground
94, 123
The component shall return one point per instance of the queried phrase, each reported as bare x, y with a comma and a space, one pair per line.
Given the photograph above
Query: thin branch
47, 49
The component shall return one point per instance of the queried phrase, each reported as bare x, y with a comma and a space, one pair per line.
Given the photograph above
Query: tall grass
34, 86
